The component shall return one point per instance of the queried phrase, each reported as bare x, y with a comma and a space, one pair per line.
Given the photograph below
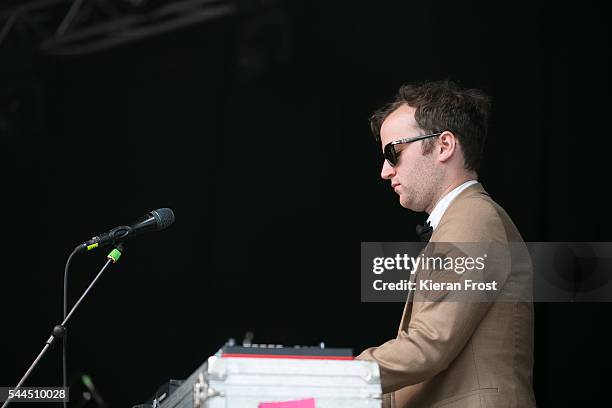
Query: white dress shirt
440, 208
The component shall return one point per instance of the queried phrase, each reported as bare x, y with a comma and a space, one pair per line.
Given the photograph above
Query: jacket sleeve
439, 326
436, 334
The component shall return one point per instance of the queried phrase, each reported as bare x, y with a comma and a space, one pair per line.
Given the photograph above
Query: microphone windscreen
164, 217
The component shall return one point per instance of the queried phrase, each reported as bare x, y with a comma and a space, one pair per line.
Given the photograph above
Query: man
450, 354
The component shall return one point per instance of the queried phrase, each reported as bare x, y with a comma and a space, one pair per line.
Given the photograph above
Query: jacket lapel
408, 307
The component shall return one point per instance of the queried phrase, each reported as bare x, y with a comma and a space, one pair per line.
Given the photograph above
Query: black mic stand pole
60, 329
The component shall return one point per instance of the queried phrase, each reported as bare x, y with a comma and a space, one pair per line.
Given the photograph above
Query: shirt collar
440, 208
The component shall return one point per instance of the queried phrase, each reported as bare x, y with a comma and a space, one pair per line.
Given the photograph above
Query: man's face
415, 176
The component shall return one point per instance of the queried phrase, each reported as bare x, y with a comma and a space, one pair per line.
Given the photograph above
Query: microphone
155, 220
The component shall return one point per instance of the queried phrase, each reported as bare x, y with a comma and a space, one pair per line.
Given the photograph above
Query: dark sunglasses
392, 155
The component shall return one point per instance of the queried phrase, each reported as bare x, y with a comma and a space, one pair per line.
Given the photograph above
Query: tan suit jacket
462, 354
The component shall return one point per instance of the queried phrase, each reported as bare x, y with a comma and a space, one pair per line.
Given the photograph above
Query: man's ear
447, 145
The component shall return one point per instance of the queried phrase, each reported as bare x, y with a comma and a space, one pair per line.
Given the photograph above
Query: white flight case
243, 382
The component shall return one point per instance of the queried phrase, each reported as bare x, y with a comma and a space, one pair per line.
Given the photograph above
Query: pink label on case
305, 403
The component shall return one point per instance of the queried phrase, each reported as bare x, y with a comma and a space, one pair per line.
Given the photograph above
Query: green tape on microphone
114, 255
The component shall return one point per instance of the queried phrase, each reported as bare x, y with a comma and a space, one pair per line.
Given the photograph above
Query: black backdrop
261, 146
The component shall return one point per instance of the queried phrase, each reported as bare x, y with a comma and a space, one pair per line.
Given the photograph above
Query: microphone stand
60, 329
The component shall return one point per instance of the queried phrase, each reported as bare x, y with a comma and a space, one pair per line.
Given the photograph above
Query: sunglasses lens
390, 155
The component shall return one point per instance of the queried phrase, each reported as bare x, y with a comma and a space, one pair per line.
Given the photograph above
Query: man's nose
387, 171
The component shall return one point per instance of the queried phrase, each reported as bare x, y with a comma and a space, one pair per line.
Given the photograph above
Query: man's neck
450, 186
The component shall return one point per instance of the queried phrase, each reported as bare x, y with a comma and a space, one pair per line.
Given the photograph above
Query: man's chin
409, 205
405, 203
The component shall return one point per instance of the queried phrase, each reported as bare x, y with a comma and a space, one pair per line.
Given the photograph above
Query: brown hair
440, 106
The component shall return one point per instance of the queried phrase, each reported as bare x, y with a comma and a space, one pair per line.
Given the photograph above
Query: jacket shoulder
472, 218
